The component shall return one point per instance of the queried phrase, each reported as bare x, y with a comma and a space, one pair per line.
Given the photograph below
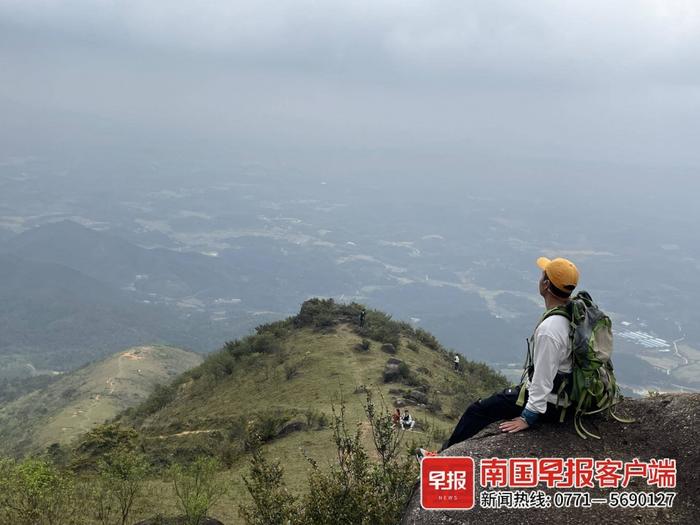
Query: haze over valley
195, 259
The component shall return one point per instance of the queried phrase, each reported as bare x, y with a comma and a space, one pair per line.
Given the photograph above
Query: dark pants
499, 406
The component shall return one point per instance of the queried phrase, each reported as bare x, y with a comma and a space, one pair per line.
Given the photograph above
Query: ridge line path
675, 349
185, 433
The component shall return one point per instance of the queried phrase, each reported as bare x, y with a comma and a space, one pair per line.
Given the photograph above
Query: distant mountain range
110, 259
69, 294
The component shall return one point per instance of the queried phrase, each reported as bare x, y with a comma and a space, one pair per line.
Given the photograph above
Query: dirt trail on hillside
86, 422
186, 433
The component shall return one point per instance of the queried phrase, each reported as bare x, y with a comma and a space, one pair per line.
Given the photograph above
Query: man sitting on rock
551, 363
407, 422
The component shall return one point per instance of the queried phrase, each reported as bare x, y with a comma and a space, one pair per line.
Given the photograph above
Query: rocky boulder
388, 348
291, 427
391, 370
419, 397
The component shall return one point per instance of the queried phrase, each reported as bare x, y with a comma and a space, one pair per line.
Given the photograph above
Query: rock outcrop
666, 426
392, 372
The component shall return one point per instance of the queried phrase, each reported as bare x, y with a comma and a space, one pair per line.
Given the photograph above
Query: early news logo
447, 483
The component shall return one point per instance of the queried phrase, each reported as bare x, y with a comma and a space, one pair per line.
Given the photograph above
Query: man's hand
514, 425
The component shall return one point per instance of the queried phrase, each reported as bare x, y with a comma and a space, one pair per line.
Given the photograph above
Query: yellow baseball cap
562, 273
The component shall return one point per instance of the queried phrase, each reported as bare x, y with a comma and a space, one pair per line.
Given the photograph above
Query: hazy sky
573, 81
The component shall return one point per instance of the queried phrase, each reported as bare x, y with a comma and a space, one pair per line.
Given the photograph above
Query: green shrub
318, 313
380, 327
161, 396
324, 321
278, 329
434, 406
232, 355
266, 425
479, 381
121, 481
425, 370
428, 339
354, 491
407, 376
404, 370
265, 344
34, 492
357, 490
272, 503
101, 440
237, 348
490, 380
197, 488
221, 364
316, 419
58, 455
324, 314
363, 346
291, 370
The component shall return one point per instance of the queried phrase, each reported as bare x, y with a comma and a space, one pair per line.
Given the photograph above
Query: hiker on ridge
533, 400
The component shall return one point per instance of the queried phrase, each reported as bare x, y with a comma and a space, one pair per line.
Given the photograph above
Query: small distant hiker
396, 418
456, 362
407, 422
362, 317
549, 368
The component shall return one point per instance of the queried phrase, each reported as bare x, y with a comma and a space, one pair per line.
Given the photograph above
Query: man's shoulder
556, 326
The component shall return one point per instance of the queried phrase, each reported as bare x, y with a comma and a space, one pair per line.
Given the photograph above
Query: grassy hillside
88, 396
281, 383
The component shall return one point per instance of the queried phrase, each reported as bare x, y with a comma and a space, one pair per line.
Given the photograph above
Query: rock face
388, 348
391, 370
667, 426
291, 427
418, 396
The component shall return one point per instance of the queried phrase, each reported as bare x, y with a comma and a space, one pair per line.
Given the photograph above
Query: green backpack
591, 387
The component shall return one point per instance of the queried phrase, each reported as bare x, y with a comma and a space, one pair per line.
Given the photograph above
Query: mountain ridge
283, 383
88, 396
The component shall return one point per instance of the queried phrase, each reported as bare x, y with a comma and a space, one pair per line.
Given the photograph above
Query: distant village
643, 338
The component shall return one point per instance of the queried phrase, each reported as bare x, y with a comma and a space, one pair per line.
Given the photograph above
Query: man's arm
546, 364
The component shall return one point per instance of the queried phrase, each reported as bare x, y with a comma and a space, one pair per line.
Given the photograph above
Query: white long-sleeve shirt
551, 353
